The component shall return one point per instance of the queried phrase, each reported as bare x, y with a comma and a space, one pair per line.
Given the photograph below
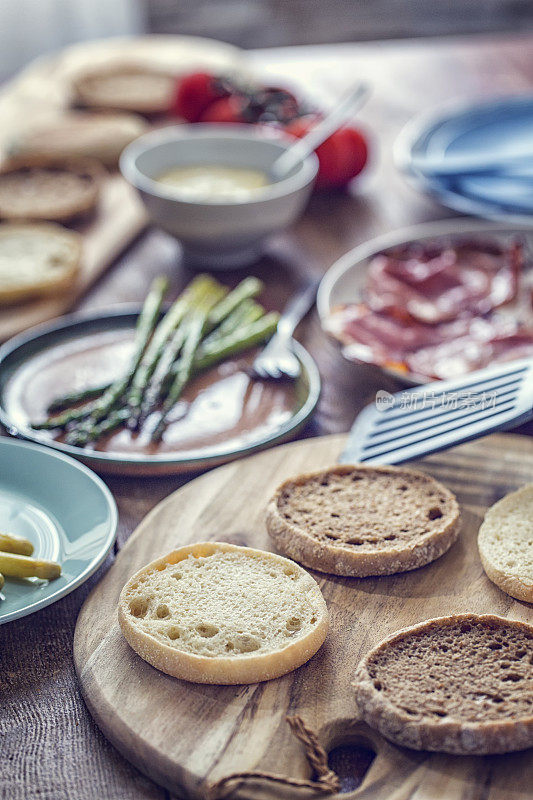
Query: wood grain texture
186, 736
68, 756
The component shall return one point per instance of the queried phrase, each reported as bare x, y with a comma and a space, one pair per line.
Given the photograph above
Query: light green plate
64, 509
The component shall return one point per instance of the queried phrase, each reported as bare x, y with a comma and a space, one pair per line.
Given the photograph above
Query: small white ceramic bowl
218, 233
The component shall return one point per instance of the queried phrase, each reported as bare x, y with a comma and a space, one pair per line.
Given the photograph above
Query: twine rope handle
326, 781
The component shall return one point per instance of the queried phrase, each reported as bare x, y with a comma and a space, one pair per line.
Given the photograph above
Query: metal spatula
416, 422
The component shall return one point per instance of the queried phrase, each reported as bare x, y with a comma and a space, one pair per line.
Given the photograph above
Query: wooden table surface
49, 746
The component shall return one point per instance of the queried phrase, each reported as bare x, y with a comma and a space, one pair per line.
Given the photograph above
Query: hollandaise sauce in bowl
215, 182
210, 186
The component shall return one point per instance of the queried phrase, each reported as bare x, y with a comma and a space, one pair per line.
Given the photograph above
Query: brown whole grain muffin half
461, 684
363, 520
56, 190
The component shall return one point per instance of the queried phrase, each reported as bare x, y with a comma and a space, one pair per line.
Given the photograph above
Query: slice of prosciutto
430, 309
436, 283
480, 348
381, 339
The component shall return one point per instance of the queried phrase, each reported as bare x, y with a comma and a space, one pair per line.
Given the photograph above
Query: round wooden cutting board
187, 736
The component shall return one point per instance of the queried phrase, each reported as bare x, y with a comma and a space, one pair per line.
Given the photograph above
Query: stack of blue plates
476, 159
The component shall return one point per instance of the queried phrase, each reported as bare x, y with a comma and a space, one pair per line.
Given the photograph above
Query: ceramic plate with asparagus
207, 324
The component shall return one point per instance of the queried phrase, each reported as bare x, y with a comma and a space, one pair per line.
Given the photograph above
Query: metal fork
277, 360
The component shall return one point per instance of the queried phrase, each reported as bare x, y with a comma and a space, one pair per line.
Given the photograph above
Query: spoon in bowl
352, 101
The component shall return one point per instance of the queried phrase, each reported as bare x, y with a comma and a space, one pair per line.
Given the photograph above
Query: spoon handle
347, 106
296, 309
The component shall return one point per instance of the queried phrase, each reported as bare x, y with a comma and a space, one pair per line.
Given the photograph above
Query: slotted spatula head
411, 424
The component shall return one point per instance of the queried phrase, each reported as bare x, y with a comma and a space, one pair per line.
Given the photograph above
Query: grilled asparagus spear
248, 288
171, 319
68, 417
156, 348
108, 395
240, 341
194, 330
192, 327
67, 400
234, 309
233, 323
145, 328
116, 418
246, 312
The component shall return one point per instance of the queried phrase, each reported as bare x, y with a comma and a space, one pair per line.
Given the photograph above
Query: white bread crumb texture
225, 604
506, 534
31, 253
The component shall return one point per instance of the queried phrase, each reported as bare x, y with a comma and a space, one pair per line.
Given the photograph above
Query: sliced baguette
37, 259
505, 543
217, 613
359, 520
461, 684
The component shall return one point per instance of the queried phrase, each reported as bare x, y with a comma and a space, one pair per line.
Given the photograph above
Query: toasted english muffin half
37, 259
126, 87
460, 684
81, 134
55, 190
363, 520
217, 613
505, 543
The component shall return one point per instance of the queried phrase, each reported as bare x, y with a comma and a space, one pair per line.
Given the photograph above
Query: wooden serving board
186, 736
40, 94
